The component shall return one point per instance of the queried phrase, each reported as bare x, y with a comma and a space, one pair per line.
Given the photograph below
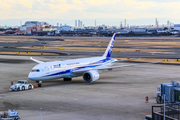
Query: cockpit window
21, 82
35, 70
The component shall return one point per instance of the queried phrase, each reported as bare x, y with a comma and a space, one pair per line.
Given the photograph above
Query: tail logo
110, 46
110, 50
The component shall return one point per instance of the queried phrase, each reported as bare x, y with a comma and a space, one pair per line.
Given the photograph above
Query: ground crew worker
11, 82
147, 99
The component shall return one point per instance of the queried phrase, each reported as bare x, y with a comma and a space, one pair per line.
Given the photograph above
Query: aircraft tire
39, 85
67, 79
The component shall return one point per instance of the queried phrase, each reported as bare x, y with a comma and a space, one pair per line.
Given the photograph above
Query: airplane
88, 68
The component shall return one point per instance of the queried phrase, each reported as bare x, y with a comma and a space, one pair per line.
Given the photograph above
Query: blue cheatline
96, 64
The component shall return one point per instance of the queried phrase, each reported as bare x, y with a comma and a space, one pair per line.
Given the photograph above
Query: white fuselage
64, 69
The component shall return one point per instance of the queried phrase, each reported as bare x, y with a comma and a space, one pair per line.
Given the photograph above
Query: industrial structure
43, 28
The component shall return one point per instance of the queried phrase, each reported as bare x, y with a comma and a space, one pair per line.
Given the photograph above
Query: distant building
35, 23
168, 24
64, 28
177, 27
49, 28
125, 23
79, 22
104, 27
156, 23
139, 30
121, 25
75, 23
6, 27
23, 28
29, 30
122, 31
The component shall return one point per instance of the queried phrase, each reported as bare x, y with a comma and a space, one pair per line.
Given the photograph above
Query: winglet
110, 46
36, 60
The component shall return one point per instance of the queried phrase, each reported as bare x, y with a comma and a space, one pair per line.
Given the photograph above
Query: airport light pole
40, 113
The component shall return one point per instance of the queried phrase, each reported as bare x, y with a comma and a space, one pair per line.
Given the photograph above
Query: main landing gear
67, 79
39, 83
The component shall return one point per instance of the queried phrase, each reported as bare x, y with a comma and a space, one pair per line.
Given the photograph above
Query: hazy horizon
89, 22
109, 12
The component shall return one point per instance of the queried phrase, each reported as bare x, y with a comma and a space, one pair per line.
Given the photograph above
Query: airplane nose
31, 76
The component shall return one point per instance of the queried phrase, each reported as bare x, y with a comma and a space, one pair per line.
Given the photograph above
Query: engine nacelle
91, 76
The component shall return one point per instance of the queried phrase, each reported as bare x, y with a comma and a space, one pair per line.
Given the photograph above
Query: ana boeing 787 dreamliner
89, 68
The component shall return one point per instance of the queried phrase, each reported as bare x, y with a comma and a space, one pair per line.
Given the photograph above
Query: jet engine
91, 76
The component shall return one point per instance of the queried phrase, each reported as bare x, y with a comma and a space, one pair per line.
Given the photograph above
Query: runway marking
147, 112
174, 73
107, 78
131, 75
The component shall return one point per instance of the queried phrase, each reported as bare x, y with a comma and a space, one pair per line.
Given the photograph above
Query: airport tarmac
117, 95
149, 46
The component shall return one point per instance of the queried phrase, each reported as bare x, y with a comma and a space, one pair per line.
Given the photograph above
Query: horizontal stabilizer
38, 61
126, 60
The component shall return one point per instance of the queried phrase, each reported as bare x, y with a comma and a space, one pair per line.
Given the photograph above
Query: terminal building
139, 30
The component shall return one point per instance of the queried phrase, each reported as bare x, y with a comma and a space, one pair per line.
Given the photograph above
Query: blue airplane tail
110, 47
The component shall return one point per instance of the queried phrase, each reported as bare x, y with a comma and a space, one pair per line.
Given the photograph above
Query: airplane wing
103, 68
110, 68
107, 68
38, 61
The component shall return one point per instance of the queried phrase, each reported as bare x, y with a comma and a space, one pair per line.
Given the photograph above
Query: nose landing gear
39, 83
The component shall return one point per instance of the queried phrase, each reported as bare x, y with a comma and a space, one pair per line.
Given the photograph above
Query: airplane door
47, 70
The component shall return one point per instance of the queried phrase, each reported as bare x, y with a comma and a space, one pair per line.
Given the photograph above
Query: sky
109, 12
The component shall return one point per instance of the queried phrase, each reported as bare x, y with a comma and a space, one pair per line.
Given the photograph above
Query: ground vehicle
21, 85
10, 115
148, 117
151, 31
174, 32
158, 95
161, 31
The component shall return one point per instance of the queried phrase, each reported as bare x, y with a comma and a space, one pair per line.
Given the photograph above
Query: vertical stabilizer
110, 46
